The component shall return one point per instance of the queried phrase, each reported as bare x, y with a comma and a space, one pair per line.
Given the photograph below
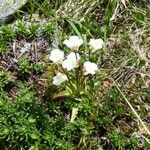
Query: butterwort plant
76, 67
72, 68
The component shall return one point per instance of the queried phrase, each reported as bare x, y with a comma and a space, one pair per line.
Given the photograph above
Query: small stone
9, 7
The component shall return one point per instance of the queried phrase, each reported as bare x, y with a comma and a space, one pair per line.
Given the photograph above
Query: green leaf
34, 147
34, 136
139, 16
72, 24
148, 14
31, 120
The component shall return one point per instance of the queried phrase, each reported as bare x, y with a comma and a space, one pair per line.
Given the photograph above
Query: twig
133, 110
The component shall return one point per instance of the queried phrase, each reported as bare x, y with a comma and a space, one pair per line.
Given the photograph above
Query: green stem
77, 78
69, 80
77, 83
89, 54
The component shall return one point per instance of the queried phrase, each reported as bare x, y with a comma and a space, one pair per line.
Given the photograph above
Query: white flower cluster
72, 60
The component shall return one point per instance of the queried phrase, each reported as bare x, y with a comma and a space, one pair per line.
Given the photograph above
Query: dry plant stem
35, 50
78, 8
133, 110
14, 62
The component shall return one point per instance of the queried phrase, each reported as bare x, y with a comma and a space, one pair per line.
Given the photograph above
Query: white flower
90, 68
73, 56
56, 56
74, 42
71, 62
59, 78
96, 44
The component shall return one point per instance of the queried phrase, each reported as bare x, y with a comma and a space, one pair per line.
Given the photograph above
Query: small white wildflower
59, 78
57, 56
90, 68
73, 56
96, 44
67, 64
74, 42
71, 62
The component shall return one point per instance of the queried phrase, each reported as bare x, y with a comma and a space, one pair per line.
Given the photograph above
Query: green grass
114, 114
